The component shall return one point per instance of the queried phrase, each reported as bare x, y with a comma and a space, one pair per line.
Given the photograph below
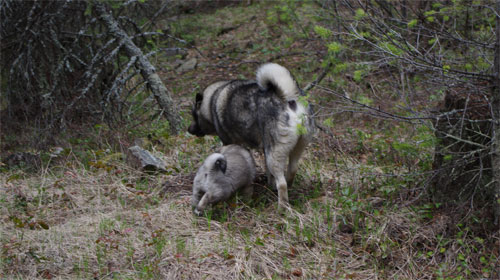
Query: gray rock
144, 160
175, 51
188, 65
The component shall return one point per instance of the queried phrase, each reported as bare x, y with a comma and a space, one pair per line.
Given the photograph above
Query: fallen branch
148, 72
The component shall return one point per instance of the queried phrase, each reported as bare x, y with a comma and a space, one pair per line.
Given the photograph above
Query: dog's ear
221, 165
199, 99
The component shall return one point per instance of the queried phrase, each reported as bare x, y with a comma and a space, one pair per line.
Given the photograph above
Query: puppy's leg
205, 200
275, 161
247, 192
293, 162
195, 198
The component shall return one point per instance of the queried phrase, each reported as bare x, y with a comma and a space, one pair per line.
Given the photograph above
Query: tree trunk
148, 71
495, 147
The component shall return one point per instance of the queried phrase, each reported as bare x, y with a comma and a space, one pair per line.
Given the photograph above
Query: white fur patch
221, 101
280, 77
207, 97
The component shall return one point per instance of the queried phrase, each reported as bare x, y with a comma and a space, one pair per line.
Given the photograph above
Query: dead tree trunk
148, 71
495, 147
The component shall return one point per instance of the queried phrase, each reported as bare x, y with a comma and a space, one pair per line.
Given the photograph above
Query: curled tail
274, 76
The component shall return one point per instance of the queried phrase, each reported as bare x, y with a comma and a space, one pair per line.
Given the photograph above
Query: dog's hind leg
293, 161
275, 162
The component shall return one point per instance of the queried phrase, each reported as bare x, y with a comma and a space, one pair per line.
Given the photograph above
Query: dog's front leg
282, 192
205, 200
196, 197
293, 162
270, 179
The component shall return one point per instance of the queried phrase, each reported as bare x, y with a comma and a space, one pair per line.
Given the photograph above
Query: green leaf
446, 68
88, 10
358, 75
429, 13
365, 34
360, 13
341, 67
259, 242
461, 257
322, 32
304, 100
391, 48
301, 129
334, 47
328, 122
430, 19
365, 100
412, 23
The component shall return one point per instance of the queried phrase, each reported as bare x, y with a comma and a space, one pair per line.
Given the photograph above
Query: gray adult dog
265, 113
221, 175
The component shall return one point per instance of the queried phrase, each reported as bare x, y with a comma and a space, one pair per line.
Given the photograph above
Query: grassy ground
352, 216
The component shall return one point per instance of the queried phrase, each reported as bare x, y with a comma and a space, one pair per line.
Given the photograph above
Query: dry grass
113, 222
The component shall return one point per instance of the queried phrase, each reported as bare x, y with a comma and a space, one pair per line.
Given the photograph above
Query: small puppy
221, 175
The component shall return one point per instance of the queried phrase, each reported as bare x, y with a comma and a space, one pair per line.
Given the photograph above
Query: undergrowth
359, 207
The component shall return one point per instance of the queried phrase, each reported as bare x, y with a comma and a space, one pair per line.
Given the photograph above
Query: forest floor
354, 213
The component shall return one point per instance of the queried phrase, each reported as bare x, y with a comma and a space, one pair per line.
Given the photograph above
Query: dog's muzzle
195, 129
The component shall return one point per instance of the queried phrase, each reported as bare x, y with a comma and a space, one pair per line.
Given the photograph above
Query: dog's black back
248, 116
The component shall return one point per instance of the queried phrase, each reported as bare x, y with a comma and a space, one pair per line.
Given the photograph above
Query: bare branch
160, 92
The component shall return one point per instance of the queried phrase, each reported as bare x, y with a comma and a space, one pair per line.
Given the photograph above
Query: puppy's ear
221, 165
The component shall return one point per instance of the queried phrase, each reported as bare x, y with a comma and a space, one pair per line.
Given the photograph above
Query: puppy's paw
197, 212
